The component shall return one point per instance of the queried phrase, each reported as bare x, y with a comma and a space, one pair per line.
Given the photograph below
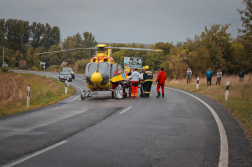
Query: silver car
64, 75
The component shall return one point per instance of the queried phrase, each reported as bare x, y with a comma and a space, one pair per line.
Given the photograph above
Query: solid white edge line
76, 86
123, 111
35, 154
73, 99
223, 160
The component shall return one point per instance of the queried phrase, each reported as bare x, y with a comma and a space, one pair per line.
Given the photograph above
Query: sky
128, 21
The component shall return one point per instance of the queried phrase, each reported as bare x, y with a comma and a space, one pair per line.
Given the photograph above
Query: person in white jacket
188, 75
218, 76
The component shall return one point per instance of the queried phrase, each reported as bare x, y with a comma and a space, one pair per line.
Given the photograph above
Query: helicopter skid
85, 94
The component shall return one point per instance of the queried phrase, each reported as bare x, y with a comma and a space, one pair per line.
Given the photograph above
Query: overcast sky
127, 21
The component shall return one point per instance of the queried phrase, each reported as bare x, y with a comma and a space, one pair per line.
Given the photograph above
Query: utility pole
3, 54
81, 47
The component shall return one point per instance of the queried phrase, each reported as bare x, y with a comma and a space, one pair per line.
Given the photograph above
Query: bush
80, 65
53, 67
5, 69
35, 68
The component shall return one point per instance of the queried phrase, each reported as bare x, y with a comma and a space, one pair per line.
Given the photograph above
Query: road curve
178, 130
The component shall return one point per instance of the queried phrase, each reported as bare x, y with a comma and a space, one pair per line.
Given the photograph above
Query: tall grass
13, 92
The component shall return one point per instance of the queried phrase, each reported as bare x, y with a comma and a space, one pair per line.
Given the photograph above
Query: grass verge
239, 100
44, 91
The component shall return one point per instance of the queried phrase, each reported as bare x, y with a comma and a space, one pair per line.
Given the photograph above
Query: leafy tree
37, 31
77, 37
89, 41
246, 35
165, 47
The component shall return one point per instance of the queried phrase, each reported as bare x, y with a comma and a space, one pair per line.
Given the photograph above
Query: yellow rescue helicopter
102, 72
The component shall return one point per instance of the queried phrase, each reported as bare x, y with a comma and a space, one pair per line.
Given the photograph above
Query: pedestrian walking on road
161, 82
209, 75
135, 77
218, 76
188, 75
241, 75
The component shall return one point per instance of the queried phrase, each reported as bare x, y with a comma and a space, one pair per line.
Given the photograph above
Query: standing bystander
218, 76
209, 75
188, 75
241, 75
161, 82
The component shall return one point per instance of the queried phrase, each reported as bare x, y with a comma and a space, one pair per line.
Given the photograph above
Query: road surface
182, 129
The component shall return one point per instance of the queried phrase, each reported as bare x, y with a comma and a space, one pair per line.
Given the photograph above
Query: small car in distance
64, 75
69, 69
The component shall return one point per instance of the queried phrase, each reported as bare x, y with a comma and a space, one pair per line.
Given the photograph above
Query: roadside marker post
66, 85
28, 97
227, 90
197, 85
47, 74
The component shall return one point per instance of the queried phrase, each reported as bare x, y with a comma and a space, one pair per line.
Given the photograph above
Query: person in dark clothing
148, 79
161, 82
241, 75
209, 75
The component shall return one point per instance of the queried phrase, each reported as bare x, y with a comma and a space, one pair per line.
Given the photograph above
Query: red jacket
161, 77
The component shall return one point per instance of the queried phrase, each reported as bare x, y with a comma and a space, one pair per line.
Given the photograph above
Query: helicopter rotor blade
98, 48
141, 49
69, 50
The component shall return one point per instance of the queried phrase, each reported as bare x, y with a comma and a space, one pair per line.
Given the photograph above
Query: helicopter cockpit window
90, 69
104, 69
116, 69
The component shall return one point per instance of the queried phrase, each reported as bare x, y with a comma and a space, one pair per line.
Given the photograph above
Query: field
239, 100
13, 92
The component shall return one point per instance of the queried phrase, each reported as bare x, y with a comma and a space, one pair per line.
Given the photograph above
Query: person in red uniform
161, 82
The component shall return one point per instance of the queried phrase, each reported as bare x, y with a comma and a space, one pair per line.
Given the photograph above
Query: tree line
213, 47
21, 40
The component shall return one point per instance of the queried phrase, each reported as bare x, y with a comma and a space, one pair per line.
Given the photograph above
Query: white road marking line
76, 86
223, 160
35, 154
123, 111
73, 99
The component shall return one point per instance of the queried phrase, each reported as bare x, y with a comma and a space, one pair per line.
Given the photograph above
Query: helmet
146, 67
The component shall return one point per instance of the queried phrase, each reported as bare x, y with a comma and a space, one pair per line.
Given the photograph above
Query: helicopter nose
96, 77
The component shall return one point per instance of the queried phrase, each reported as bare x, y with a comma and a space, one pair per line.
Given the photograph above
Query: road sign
42, 63
4, 64
132, 62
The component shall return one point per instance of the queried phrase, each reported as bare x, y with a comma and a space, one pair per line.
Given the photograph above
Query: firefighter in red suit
135, 77
161, 82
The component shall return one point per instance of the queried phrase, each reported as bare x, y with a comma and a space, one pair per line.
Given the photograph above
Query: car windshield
64, 73
67, 69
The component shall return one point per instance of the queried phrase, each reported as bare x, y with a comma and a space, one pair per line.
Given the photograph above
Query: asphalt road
181, 129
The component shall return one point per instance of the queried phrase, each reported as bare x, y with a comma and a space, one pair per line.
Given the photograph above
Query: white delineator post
227, 90
47, 74
66, 85
28, 96
197, 85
